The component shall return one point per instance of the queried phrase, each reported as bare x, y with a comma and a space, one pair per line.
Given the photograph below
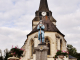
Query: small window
40, 14
32, 47
47, 13
60, 44
48, 45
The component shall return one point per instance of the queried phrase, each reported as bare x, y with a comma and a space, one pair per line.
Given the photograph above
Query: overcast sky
16, 20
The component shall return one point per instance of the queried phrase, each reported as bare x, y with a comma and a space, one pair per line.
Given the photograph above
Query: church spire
43, 5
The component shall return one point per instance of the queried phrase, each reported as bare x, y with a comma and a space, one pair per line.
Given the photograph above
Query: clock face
43, 13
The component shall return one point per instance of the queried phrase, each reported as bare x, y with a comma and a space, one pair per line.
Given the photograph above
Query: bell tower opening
40, 14
47, 13
43, 7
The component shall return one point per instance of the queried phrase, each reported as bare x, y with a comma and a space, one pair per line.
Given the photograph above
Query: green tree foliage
72, 51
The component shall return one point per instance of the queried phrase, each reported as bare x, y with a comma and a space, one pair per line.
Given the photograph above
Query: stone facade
41, 52
53, 37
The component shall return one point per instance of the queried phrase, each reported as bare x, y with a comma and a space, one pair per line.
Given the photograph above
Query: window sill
49, 56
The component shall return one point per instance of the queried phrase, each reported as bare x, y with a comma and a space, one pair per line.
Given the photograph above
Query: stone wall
54, 39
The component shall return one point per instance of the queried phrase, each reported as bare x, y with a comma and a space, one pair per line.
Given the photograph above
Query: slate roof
49, 26
43, 6
71, 57
38, 19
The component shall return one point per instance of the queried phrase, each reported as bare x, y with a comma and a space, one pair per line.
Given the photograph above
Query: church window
48, 45
60, 44
32, 47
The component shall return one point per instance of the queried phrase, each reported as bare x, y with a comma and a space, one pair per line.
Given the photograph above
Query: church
54, 39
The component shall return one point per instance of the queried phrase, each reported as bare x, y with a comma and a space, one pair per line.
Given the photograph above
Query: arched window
48, 45
32, 47
60, 44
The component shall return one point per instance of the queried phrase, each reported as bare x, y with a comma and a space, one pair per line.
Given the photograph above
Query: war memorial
45, 41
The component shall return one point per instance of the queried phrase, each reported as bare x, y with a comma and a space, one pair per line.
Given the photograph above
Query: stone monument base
41, 52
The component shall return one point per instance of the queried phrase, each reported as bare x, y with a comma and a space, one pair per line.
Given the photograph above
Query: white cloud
12, 36
16, 20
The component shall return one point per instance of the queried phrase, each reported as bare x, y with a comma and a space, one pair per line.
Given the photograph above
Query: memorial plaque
41, 52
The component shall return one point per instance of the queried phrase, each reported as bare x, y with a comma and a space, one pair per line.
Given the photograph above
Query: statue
41, 28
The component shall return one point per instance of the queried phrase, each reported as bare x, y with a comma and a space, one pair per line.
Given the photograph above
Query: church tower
53, 37
38, 16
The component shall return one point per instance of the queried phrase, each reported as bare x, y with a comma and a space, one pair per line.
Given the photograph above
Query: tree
1, 57
6, 54
72, 51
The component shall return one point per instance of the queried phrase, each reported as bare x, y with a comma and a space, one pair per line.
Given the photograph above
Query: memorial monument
41, 28
46, 32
